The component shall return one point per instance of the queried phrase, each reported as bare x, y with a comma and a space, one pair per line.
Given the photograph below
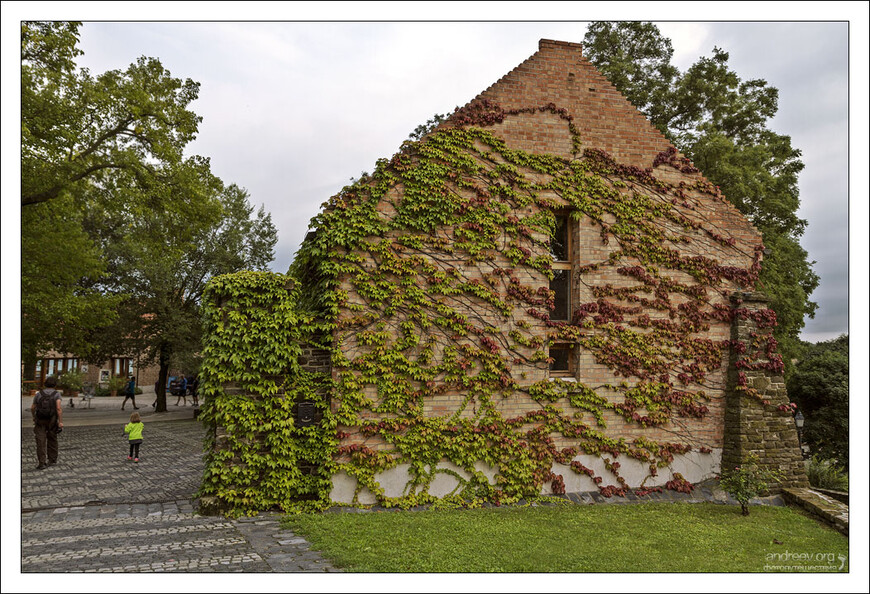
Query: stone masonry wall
315, 359
758, 419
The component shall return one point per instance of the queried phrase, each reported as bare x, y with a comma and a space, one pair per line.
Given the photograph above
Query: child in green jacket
134, 429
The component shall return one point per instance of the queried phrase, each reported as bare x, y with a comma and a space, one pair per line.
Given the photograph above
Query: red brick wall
558, 73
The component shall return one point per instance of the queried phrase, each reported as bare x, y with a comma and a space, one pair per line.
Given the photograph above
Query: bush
826, 474
748, 481
117, 383
72, 379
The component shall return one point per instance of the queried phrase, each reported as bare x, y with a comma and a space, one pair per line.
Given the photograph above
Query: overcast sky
292, 110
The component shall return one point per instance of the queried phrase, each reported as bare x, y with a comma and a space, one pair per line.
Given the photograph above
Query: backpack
45, 407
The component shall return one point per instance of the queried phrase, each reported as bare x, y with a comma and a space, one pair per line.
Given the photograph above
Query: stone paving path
96, 512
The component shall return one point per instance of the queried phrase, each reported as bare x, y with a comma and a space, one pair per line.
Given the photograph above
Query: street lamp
799, 424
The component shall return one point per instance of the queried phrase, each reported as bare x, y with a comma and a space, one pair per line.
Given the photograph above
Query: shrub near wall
256, 456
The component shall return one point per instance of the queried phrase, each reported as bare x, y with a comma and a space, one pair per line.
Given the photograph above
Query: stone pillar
758, 418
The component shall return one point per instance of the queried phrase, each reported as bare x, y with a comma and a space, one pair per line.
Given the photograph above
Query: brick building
542, 295
95, 374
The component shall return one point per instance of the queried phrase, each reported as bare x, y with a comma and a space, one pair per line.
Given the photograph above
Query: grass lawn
667, 537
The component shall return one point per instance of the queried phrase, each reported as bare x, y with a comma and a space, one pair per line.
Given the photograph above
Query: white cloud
689, 40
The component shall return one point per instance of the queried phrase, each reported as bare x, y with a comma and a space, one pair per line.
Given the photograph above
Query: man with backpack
47, 411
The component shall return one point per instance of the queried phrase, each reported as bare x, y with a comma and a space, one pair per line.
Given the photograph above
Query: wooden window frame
121, 366
567, 266
46, 366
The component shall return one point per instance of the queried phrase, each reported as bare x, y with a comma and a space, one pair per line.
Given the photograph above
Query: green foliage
636, 59
60, 266
472, 217
76, 126
100, 156
161, 259
116, 383
653, 537
424, 129
427, 280
749, 480
827, 474
720, 122
820, 387
760, 178
120, 233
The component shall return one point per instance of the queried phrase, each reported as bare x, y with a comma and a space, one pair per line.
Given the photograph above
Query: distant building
55, 363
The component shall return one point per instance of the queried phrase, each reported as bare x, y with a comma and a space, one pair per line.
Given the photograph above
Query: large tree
159, 260
720, 122
60, 266
77, 130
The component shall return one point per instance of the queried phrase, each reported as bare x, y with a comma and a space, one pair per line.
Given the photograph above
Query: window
563, 360
559, 243
122, 366
561, 286
55, 366
561, 353
560, 250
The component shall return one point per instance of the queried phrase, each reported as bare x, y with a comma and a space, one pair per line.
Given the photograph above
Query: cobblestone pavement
96, 512
92, 467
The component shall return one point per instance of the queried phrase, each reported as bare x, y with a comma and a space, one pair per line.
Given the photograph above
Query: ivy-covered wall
443, 332
428, 282
253, 377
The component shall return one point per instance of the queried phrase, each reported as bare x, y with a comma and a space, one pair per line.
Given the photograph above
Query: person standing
47, 412
134, 429
130, 393
193, 387
182, 390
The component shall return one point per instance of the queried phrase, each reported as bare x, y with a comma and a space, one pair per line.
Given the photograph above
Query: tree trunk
161, 378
